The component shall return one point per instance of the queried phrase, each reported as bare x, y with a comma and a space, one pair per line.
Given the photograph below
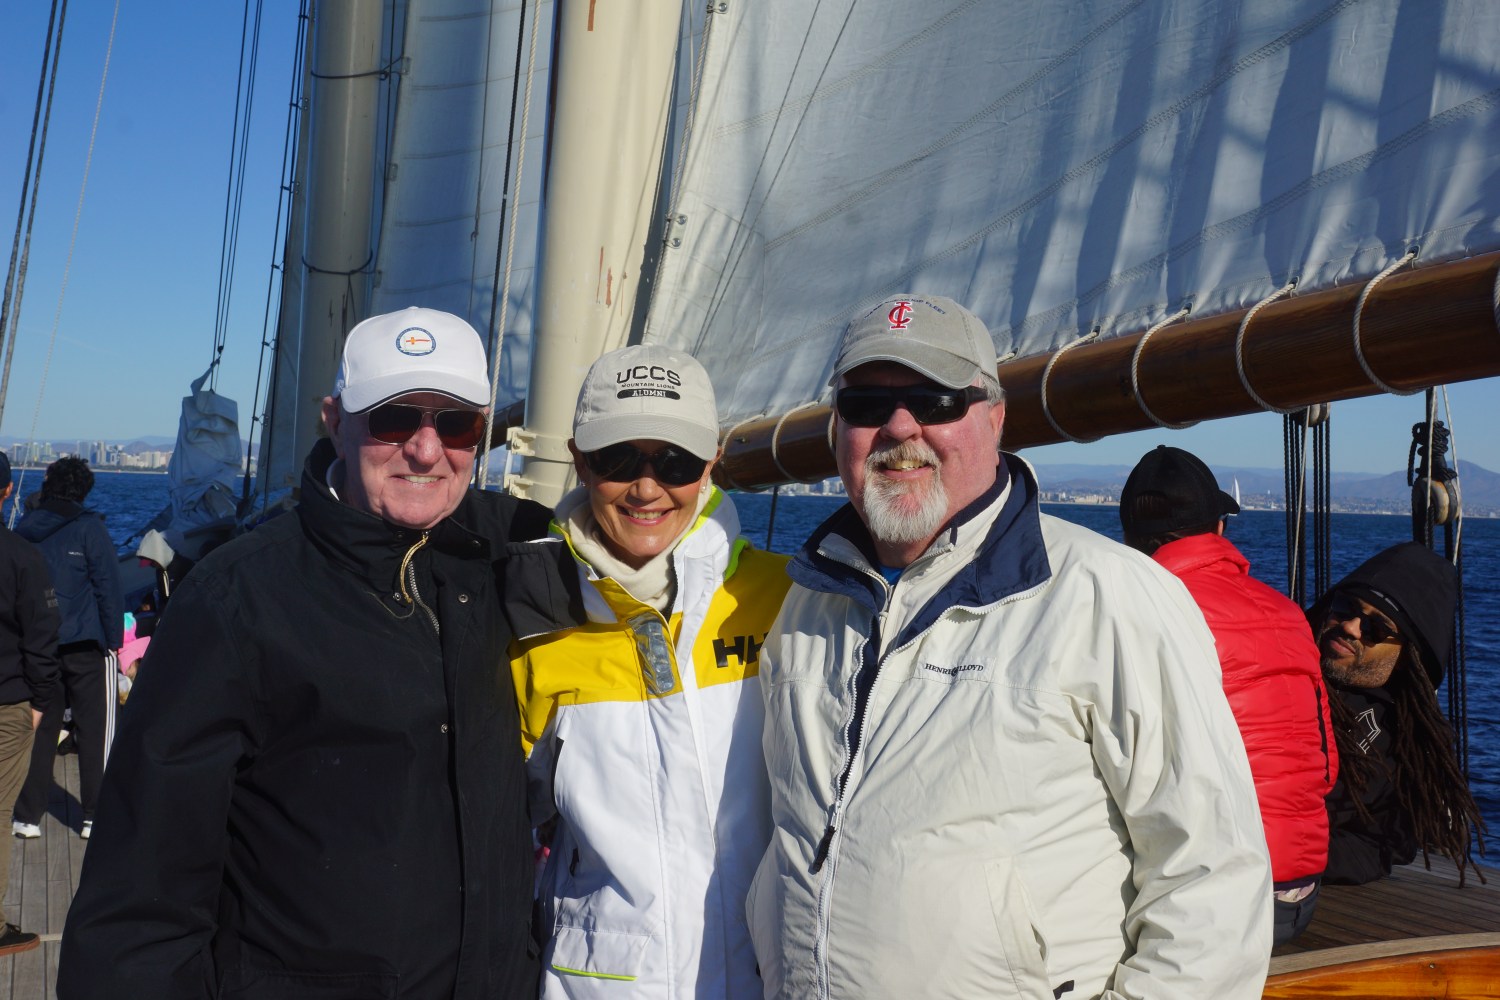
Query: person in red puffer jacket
1173, 510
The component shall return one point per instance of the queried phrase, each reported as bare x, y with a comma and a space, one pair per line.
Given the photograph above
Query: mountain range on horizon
1481, 487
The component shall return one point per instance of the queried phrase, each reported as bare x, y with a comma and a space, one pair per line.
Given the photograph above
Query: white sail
1064, 166
445, 172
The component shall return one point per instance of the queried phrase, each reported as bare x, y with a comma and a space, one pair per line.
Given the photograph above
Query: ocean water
1261, 536
129, 499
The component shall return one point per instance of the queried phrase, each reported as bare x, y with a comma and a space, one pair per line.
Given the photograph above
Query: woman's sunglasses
1373, 628
872, 405
396, 423
625, 463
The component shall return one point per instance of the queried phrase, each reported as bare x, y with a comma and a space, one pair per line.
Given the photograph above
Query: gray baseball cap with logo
930, 334
647, 392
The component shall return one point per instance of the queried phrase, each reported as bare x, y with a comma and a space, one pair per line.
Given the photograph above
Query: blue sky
136, 323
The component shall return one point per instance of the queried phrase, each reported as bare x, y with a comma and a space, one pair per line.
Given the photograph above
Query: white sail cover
204, 467
1063, 165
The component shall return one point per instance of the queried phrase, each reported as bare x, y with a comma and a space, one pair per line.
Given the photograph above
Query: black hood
1417, 588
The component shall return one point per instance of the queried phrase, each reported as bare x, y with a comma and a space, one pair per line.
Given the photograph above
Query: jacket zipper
825, 845
406, 577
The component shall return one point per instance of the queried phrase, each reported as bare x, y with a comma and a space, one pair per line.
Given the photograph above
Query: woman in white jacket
643, 725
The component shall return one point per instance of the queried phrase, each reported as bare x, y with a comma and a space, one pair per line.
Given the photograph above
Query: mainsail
1065, 168
1072, 169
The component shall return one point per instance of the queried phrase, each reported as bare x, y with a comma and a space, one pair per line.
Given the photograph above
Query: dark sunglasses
1373, 628
625, 463
872, 405
395, 423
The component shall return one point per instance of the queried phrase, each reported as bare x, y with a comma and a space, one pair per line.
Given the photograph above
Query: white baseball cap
413, 350
647, 392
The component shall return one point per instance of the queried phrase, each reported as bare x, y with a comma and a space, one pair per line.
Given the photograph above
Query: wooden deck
43, 875
1375, 925
1413, 902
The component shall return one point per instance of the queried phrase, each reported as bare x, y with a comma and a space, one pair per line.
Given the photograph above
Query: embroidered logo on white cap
416, 342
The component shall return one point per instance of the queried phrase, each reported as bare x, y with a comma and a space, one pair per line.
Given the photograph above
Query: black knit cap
4, 470
1168, 490
1413, 586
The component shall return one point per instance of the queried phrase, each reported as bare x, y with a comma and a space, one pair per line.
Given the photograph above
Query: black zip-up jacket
315, 794
85, 570
28, 625
1360, 851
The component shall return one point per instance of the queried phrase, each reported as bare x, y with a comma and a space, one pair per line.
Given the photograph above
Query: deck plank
1413, 902
43, 878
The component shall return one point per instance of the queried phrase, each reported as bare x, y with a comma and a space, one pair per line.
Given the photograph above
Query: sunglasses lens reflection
396, 423
872, 405
625, 463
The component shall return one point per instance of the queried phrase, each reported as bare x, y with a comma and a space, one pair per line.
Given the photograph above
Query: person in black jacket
85, 572
317, 791
1384, 633
28, 678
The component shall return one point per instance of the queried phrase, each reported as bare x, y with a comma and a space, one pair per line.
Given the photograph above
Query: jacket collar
366, 545
997, 540
1196, 551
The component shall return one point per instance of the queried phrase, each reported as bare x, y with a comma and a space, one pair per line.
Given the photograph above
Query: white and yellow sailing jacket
643, 734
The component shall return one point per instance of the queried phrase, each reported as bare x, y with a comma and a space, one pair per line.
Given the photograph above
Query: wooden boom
1419, 328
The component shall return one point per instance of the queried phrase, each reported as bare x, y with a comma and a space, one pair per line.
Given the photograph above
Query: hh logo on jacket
745, 648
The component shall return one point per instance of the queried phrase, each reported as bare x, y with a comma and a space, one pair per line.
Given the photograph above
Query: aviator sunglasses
625, 463
872, 405
396, 423
1373, 629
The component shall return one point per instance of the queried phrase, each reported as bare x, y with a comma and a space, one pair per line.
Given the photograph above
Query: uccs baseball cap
413, 350
651, 392
931, 334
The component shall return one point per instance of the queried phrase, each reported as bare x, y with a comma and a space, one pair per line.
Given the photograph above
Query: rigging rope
1135, 371
234, 188
289, 152
46, 82
1435, 501
1239, 349
72, 244
1359, 310
495, 333
489, 420
1295, 445
1047, 377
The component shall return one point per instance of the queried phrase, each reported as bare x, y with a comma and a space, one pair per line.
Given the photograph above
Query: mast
341, 153
614, 67
1420, 328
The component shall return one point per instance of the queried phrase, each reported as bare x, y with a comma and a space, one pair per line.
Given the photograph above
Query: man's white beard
900, 513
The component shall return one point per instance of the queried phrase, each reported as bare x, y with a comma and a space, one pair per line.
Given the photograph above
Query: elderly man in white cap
317, 790
1001, 762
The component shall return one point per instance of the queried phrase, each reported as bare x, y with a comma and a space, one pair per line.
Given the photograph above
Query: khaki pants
15, 759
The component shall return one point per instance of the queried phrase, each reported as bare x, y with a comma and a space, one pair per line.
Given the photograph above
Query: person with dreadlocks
1385, 633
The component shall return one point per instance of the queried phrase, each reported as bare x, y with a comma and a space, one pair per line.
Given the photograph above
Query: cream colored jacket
1049, 796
